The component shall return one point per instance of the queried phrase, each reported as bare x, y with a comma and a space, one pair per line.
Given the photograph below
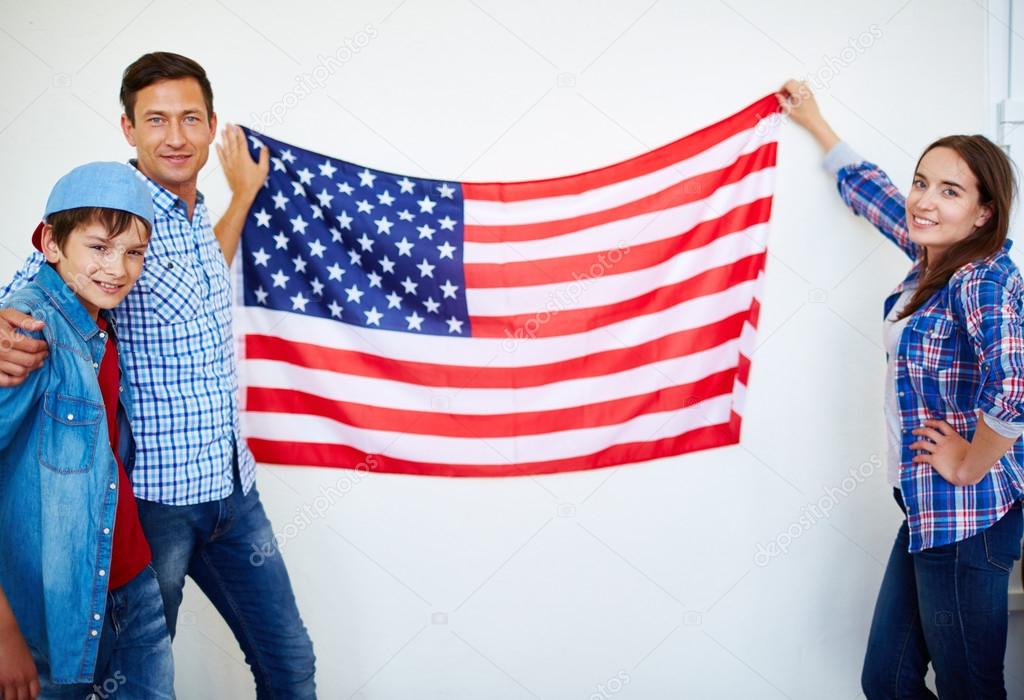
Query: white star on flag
325, 198
426, 269
299, 302
449, 289
353, 293
373, 316
415, 321
404, 247
280, 279
327, 170
366, 178
446, 250
316, 249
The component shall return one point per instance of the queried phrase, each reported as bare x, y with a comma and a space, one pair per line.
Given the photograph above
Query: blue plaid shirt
178, 350
960, 352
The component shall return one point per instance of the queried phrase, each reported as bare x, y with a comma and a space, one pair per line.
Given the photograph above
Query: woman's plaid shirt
963, 351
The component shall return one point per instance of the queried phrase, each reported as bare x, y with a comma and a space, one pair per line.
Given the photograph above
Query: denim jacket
58, 484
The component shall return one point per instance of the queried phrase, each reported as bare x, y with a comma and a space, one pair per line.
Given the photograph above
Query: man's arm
19, 353
245, 178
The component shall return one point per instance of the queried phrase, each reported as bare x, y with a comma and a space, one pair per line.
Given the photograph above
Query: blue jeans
133, 661
229, 550
947, 606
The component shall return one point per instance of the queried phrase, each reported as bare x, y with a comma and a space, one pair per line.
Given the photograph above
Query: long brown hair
996, 189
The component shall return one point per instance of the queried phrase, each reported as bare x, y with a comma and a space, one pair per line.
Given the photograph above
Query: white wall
560, 586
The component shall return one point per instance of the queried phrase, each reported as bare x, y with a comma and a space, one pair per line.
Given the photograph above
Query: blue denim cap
103, 185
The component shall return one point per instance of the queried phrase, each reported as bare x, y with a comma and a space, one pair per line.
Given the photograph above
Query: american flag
497, 329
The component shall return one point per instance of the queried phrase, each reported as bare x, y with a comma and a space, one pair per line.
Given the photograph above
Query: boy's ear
50, 248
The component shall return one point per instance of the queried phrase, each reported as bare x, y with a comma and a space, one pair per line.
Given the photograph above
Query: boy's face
100, 270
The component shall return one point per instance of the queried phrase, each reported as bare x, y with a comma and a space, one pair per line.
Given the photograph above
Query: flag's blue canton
332, 239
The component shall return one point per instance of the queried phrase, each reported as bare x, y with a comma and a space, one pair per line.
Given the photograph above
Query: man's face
172, 132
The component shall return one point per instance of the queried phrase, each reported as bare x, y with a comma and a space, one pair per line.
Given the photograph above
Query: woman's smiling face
944, 205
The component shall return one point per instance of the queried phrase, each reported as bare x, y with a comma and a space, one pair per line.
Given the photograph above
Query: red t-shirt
130, 553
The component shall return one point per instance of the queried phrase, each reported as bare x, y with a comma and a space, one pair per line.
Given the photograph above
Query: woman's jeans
947, 606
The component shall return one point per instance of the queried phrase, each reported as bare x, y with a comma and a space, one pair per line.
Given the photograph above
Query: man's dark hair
114, 221
155, 67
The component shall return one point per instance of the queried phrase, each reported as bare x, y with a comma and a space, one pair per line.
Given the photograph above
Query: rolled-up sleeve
869, 193
840, 156
992, 316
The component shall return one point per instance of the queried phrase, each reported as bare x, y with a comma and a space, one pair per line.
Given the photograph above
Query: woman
954, 409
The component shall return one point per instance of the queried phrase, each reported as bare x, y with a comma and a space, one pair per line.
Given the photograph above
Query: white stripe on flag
496, 352
610, 287
490, 213
387, 393
637, 230
532, 448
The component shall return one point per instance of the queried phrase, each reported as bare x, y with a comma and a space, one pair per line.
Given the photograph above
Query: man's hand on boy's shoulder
19, 353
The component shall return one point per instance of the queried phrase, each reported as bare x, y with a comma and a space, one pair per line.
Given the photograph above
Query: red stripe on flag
551, 270
319, 357
683, 192
679, 150
569, 321
505, 425
336, 455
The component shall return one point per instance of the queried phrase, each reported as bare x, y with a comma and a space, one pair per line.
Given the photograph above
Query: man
194, 475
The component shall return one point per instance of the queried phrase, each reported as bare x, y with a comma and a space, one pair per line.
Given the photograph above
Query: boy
80, 608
